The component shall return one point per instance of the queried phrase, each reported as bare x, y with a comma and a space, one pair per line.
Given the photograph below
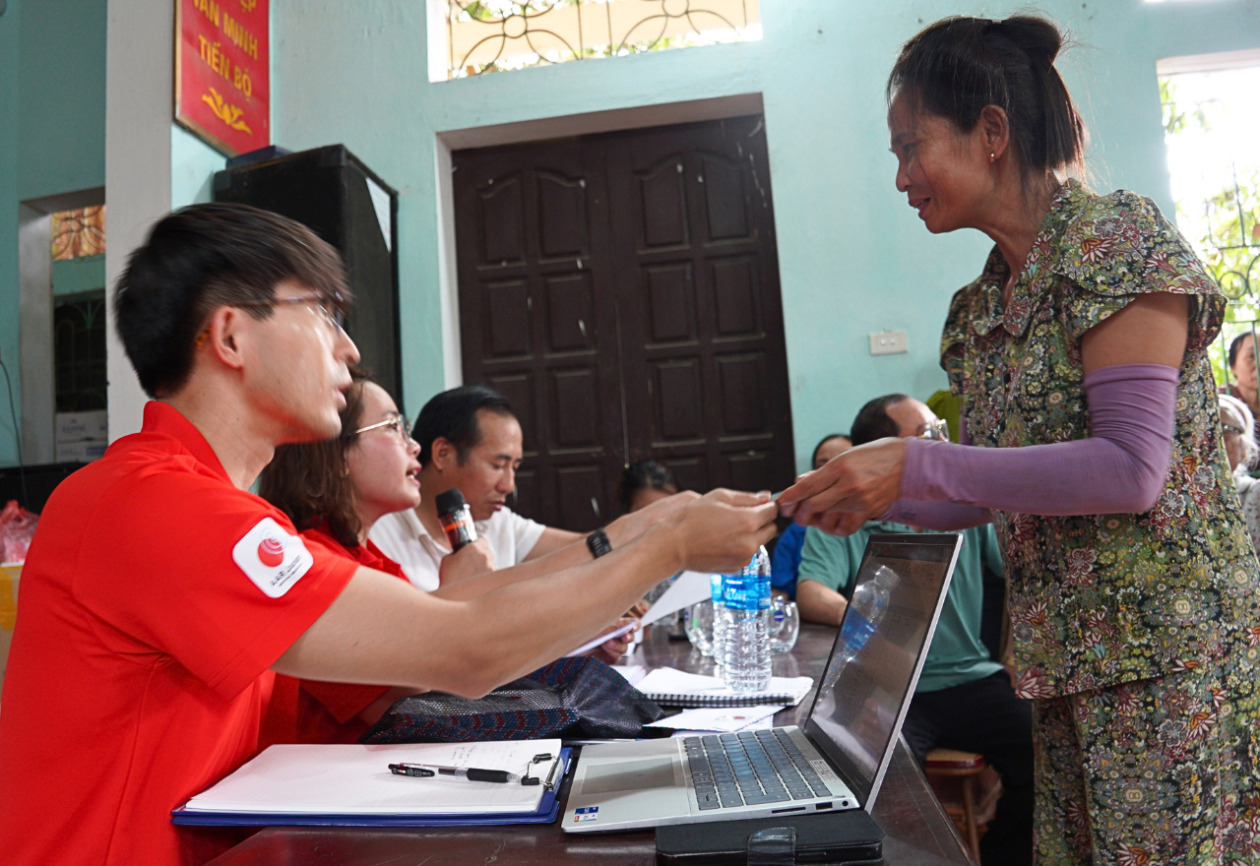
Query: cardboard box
77, 426
9, 574
80, 437
79, 452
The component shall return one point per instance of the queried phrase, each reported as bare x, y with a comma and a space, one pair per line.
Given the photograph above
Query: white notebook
675, 688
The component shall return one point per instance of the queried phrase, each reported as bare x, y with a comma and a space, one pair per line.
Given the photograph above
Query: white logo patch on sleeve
272, 557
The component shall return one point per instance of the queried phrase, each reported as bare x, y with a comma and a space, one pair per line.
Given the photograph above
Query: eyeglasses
331, 307
397, 423
1230, 428
938, 430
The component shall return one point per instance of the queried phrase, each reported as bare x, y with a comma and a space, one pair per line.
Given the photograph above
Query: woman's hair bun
1036, 37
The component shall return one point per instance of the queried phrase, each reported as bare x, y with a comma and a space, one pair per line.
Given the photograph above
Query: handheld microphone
456, 518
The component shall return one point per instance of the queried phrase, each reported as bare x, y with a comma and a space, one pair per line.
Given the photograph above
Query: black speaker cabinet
346, 204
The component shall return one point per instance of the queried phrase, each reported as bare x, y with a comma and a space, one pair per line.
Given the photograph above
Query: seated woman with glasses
1237, 422
334, 492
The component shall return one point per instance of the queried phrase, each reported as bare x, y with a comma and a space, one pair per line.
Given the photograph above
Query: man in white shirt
470, 439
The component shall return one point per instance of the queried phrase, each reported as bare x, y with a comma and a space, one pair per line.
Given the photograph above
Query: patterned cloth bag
573, 698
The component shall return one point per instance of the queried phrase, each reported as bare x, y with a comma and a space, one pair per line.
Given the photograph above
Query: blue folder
547, 812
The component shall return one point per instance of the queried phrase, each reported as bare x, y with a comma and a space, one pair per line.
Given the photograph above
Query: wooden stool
956, 779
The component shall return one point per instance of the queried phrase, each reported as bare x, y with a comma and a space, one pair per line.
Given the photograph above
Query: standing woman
1080, 357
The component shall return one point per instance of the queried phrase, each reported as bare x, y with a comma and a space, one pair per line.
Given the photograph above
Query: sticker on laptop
272, 557
585, 813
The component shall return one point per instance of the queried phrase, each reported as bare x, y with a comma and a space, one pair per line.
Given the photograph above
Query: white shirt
402, 537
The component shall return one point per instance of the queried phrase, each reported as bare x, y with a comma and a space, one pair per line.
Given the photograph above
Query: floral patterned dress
1103, 606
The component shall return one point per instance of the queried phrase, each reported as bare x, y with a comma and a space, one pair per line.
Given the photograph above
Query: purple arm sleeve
1120, 467
937, 515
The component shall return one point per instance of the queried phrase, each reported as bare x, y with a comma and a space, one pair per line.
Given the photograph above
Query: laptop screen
878, 653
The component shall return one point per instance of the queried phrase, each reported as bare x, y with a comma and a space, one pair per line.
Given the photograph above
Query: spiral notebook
671, 687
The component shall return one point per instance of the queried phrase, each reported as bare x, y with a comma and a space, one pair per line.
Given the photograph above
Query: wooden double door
622, 290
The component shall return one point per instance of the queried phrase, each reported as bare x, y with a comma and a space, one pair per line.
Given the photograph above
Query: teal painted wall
193, 164
853, 257
52, 137
76, 276
10, 26
61, 110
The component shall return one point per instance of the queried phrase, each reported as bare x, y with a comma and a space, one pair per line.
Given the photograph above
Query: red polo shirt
313, 711
155, 598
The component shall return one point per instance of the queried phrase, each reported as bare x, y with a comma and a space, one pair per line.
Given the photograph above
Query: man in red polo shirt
159, 595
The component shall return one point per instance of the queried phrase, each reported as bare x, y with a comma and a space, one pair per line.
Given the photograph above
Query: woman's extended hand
848, 490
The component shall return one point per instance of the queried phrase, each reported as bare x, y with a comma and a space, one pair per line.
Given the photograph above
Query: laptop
841, 753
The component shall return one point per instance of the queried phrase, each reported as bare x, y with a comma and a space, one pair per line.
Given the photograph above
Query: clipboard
546, 812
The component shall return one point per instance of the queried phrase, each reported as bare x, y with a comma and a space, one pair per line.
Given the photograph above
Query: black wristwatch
598, 544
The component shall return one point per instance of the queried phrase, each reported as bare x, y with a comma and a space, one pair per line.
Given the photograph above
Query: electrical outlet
888, 343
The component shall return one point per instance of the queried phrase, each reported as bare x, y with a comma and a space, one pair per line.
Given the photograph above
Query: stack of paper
687, 588
720, 719
672, 687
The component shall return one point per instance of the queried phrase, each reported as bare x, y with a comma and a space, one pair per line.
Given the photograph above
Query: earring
992, 157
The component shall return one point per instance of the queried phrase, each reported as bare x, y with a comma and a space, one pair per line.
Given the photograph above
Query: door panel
622, 291
698, 288
533, 322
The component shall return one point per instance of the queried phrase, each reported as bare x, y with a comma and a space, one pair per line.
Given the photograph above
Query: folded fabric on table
572, 697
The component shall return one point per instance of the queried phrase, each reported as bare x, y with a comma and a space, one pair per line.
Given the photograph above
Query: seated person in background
334, 492
786, 558
964, 699
164, 596
1246, 386
1241, 448
643, 483
470, 439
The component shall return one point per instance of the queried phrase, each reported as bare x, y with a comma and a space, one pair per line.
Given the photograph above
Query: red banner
223, 72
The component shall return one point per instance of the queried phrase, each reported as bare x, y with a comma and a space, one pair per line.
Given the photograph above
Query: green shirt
956, 655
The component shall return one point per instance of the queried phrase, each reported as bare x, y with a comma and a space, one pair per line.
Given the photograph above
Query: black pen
472, 774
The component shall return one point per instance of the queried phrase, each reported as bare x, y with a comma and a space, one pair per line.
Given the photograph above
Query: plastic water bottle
866, 609
717, 622
746, 643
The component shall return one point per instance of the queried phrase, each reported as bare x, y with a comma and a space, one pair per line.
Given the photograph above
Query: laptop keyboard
750, 768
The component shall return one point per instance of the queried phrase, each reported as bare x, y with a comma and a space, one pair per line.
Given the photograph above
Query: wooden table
918, 832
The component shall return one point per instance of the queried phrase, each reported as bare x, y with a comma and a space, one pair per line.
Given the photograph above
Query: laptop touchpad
629, 776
